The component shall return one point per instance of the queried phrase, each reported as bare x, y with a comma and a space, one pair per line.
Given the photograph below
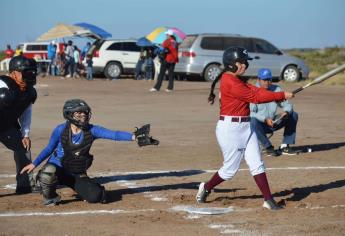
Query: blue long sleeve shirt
269, 110
54, 148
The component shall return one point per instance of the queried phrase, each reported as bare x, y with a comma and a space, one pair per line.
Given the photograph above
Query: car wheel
211, 72
113, 70
291, 74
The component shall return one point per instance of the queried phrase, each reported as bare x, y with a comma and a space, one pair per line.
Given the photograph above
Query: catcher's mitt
142, 135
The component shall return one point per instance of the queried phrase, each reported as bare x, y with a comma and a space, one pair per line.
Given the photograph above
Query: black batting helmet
76, 105
235, 54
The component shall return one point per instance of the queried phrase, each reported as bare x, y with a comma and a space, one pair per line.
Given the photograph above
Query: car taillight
96, 53
188, 54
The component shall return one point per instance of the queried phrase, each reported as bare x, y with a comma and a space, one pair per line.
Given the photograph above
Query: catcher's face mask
29, 76
81, 118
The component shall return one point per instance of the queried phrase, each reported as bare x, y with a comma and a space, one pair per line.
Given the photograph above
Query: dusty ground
150, 187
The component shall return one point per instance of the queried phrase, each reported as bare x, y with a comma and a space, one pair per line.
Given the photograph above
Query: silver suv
201, 55
114, 57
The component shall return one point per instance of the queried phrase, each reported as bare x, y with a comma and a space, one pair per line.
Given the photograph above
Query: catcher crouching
69, 157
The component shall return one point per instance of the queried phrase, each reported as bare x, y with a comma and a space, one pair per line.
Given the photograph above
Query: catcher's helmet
77, 105
27, 66
235, 54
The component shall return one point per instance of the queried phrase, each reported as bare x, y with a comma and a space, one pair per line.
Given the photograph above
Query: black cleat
288, 151
270, 151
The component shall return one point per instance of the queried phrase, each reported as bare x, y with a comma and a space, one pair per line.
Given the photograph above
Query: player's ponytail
212, 96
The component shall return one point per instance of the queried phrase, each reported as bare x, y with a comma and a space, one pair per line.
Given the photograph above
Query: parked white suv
114, 57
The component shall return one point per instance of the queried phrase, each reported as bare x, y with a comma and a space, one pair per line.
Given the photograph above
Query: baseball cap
169, 32
265, 74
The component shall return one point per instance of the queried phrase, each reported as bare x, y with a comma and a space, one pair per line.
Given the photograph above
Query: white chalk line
105, 174
183, 208
225, 229
67, 213
41, 85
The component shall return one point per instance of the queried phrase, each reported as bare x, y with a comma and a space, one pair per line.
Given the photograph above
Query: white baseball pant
238, 140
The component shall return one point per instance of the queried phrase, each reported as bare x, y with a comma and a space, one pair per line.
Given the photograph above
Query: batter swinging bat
321, 78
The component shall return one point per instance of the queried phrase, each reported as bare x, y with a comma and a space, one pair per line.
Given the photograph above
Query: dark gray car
201, 55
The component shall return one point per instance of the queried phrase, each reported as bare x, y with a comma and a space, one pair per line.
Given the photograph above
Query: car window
36, 47
115, 47
262, 46
212, 43
130, 46
238, 42
188, 41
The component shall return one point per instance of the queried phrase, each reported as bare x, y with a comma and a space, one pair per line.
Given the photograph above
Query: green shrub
320, 60
2, 55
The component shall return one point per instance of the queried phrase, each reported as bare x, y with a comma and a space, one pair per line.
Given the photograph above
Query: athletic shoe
52, 202
168, 90
153, 90
202, 193
271, 205
271, 152
288, 151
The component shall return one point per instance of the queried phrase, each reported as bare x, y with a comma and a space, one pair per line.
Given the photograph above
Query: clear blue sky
285, 23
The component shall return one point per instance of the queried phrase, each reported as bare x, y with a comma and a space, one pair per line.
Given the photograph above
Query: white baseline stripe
111, 212
97, 174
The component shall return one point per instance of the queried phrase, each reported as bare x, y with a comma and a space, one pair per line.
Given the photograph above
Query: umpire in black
17, 95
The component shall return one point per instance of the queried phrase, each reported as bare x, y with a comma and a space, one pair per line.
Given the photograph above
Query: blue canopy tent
95, 29
144, 42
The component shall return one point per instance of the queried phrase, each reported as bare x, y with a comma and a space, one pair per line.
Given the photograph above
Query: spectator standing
89, 69
76, 56
9, 53
19, 51
139, 65
171, 49
149, 66
52, 58
69, 55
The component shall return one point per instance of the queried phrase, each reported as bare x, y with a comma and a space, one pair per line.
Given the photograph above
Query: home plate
204, 210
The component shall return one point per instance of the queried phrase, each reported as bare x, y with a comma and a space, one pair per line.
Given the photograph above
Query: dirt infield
152, 189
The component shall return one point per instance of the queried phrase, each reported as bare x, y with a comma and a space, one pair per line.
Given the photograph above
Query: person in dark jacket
17, 95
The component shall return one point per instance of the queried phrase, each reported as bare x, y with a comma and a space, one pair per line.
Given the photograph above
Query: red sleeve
166, 43
252, 94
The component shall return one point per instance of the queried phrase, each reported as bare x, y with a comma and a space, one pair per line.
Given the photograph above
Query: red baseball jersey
235, 96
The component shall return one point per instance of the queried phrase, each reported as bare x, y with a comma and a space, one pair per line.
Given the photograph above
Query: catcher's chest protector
77, 158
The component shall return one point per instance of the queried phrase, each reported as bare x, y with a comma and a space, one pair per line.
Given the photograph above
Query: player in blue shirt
69, 157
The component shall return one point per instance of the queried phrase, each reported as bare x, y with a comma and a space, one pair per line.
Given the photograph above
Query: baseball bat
321, 78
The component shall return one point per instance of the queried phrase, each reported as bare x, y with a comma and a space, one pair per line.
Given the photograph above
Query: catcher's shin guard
48, 181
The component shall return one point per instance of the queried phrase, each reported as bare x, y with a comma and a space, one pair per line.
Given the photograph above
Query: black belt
237, 119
